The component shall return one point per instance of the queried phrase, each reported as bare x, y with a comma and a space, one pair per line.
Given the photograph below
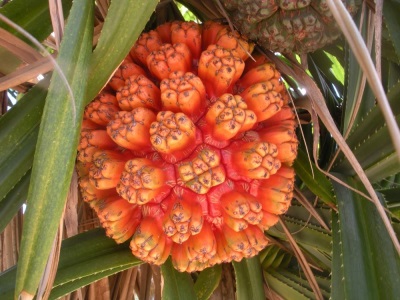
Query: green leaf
18, 163
391, 196
367, 265
249, 280
10, 205
303, 170
391, 16
56, 148
18, 134
374, 119
285, 288
376, 154
177, 286
84, 258
7, 283
88, 257
371, 143
207, 281
123, 25
292, 285
306, 234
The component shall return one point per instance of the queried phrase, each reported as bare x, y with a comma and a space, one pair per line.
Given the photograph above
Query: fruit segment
234, 41
188, 33
183, 92
255, 160
106, 169
276, 193
196, 252
183, 215
149, 243
173, 135
124, 71
102, 109
263, 100
219, 69
91, 193
240, 210
169, 58
210, 33
139, 91
118, 217
92, 141
146, 43
143, 181
285, 140
202, 171
263, 73
229, 116
131, 129
164, 30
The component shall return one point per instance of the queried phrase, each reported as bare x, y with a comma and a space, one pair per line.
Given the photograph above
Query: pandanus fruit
191, 155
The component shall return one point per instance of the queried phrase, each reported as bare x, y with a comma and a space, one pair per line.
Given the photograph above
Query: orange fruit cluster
187, 151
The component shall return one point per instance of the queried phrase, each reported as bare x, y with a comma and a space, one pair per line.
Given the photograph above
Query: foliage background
340, 237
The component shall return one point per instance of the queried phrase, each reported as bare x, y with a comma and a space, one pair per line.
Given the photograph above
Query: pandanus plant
197, 149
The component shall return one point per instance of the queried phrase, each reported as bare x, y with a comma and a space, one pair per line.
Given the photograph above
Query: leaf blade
57, 142
207, 282
177, 286
249, 283
361, 233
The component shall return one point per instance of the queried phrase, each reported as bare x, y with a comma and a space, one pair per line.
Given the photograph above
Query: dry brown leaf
71, 208
46, 283
102, 6
9, 245
156, 281
57, 20
378, 36
18, 47
26, 73
145, 281
100, 290
124, 287
226, 287
96, 33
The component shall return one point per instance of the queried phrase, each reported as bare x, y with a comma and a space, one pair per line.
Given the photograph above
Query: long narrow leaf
177, 286
18, 163
249, 283
18, 135
21, 119
54, 157
368, 266
390, 13
10, 205
207, 282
